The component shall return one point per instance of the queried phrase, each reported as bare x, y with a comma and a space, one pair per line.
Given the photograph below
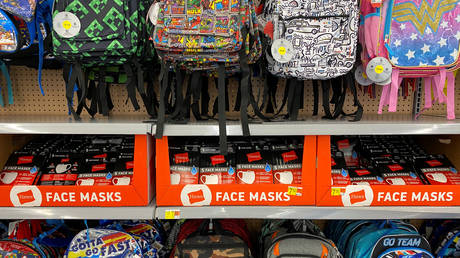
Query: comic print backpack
89, 34
212, 37
310, 39
417, 39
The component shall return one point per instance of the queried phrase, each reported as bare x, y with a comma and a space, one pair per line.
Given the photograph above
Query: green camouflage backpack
89, 34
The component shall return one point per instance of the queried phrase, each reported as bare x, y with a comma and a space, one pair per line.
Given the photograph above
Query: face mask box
254, 178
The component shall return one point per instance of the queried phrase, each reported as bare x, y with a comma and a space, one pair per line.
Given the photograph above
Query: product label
255, 156
181, 158
340, 177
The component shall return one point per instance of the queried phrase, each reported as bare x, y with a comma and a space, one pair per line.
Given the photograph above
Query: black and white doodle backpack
310, 39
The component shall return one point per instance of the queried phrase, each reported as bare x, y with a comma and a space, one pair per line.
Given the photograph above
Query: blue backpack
377, 239
22, 38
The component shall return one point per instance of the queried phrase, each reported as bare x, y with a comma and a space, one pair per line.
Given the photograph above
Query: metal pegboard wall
29, 101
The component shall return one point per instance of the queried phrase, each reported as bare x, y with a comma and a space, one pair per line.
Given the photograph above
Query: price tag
66, 24
172, 214
282, 50
292, 190
335, 191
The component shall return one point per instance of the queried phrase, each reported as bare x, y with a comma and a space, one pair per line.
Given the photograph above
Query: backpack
296, 238
205, 239
217, 38
103, 243
310, 39
412, 46
381, 239
26, 29
100, 34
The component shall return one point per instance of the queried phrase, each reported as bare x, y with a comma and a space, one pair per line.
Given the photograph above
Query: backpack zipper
314, 17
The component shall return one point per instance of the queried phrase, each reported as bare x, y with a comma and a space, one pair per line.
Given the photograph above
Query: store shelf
63, 124
372, 124
120, 213
310, 212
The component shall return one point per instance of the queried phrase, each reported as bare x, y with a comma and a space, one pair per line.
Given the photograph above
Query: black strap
326, 86
222, 115
180, 74
292, 85
131, 85
245, 73
296, 105
315, 97
75, 75
205, 98
93, 96
102, 89
238, 95
196, 92
140, 88
161, 111
351, 84
272, 84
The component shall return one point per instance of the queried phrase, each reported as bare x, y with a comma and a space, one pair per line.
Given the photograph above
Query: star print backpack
310, 39
413, 39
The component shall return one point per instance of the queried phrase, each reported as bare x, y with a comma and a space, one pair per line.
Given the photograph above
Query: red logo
25, 160
362, 172
100, 156
181, 158
25, 197
254, 156
433, 163
395, 167
65, 160
343, 144
129, 164
333, 162
98, 167
358, 196
217, 159
288, 156
196, 196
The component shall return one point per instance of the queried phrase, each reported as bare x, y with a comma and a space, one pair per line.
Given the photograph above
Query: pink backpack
416, 39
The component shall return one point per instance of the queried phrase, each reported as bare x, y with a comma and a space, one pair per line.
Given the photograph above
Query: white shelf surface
311, 212
62, 124
370, 124
116, 213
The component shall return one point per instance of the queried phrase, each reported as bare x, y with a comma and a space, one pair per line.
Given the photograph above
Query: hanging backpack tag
282, 50
361, 76
379, 70
153, 13
66, 24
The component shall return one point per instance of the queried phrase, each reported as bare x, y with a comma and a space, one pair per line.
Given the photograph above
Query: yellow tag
364, 75
378, 69
456, 240
292, 190
282, 51
171, 214
335, 191
67, 25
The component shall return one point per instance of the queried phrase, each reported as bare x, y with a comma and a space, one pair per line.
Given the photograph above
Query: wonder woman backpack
414, 39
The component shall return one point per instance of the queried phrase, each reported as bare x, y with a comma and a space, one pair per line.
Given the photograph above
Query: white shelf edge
116, 213
375, 125
312, 212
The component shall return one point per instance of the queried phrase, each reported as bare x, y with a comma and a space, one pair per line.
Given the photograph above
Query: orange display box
376, 195
138, 193
235, 194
